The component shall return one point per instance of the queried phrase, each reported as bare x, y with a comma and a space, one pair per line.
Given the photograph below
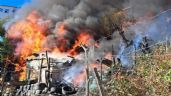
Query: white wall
7, 11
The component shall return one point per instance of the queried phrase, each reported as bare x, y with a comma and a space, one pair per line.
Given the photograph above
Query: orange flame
61, 30
83, 38
31, 33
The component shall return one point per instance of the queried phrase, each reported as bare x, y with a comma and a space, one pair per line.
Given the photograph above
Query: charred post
48, 69
40, 71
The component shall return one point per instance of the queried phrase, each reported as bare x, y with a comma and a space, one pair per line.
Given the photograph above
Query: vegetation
151, 76
5, 47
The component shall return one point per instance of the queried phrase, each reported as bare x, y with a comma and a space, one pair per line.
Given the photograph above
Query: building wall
7, 11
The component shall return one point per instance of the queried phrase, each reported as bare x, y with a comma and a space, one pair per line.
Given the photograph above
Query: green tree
5, 47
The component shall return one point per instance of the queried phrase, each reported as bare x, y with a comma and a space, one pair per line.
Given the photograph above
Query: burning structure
59, 39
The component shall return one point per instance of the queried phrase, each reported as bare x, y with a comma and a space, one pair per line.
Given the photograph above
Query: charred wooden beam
107, 62
40, 71
48, 71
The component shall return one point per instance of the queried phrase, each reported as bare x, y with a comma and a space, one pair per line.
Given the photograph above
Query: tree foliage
5, 47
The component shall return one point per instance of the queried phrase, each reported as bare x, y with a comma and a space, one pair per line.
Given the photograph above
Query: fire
62, 41
61, 30
31, 34
22, 70
83, 38
17, 67
23, 73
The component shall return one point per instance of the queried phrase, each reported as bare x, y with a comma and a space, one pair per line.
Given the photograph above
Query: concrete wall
7, 11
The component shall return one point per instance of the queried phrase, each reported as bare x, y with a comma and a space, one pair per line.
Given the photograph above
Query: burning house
58, 43
44, 75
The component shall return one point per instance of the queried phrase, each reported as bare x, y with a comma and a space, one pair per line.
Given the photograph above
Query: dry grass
151, 76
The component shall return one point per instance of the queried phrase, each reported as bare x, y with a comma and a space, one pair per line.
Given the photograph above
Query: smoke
154, 23
141, 8
74, 13
72, 17
76, 74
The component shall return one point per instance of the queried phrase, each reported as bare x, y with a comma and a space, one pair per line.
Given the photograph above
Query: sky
15, 3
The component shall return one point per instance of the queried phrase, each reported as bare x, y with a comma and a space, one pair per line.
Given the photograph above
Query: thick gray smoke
74, 13
153, 22
85, 14
140, 8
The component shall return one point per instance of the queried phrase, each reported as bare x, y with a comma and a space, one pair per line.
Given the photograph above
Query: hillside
151, 76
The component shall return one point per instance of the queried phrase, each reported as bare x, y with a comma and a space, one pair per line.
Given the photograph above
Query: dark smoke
78, 15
